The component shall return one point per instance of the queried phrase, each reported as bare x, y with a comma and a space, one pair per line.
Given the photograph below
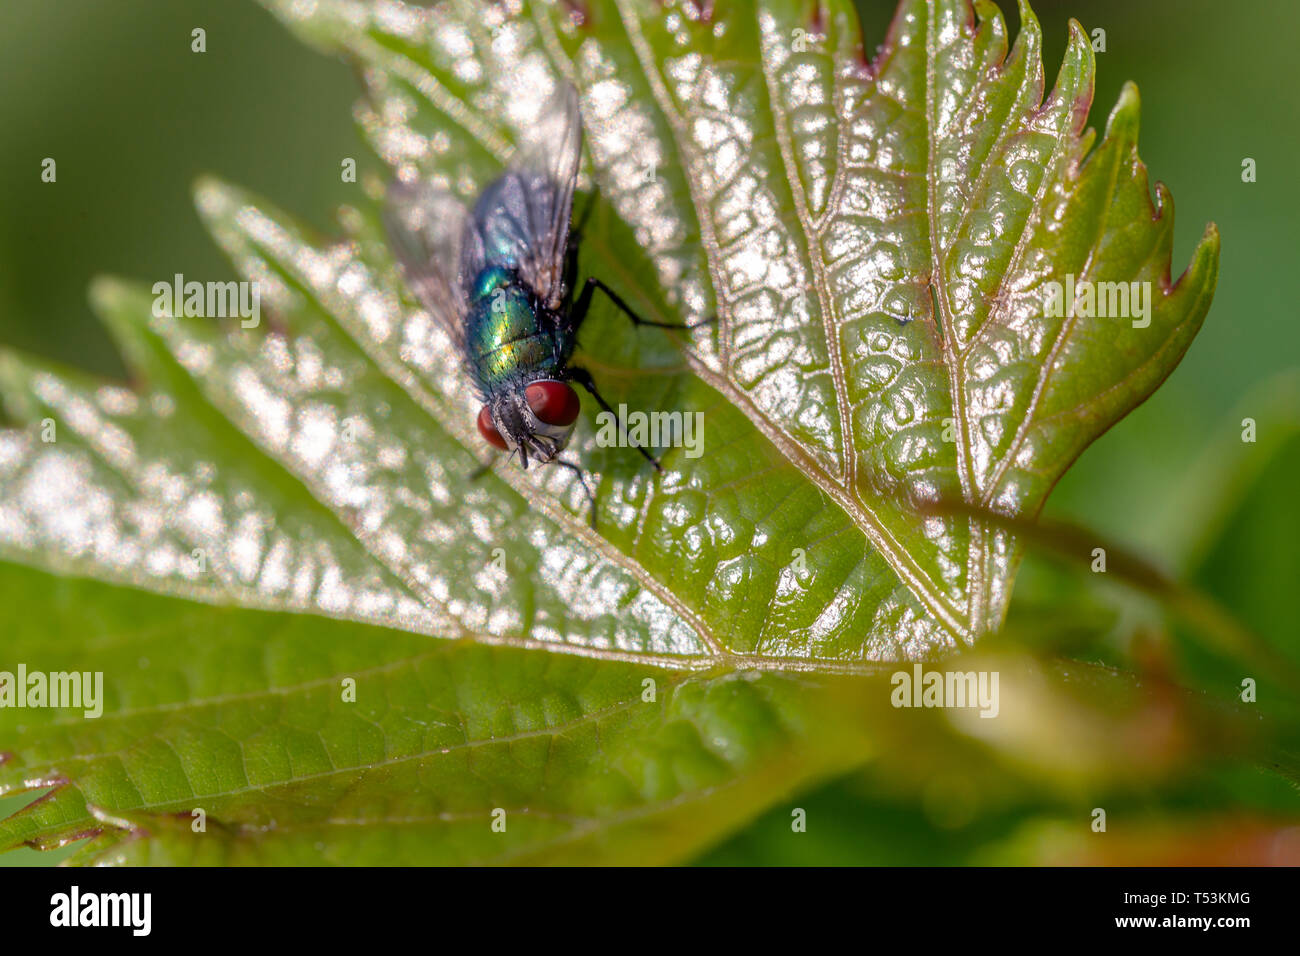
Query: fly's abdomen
504, 337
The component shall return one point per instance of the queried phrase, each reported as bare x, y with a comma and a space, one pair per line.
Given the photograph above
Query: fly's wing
550, 156
425, 226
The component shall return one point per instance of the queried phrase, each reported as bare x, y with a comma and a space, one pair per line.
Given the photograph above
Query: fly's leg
482, 470
582, 480
576, 233
583, 378
571, 261
575, 238
580, 307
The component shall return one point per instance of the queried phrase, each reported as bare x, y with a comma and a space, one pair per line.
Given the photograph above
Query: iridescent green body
510, 337
499, 278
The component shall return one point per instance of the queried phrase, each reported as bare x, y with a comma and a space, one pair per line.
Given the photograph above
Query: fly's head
537, 420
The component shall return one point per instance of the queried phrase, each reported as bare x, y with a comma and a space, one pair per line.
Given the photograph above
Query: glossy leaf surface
876, 240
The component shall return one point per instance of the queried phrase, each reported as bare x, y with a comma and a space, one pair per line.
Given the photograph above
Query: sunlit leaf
875, 240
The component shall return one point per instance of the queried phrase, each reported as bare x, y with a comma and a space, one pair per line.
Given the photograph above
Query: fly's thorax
502, 308
490, 282
506, 336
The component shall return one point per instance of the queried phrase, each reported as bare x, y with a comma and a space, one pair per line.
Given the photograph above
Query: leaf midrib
903, 565
896, 556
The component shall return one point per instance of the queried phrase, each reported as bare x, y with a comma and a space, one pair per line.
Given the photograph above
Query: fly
499, 279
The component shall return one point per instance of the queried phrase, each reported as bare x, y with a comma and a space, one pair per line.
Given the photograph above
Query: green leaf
875, 241
240, 714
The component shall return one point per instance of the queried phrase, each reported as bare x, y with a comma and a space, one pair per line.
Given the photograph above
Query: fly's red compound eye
488, 430
555, 403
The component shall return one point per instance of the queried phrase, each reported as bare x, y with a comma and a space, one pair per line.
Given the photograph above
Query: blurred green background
112, 92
